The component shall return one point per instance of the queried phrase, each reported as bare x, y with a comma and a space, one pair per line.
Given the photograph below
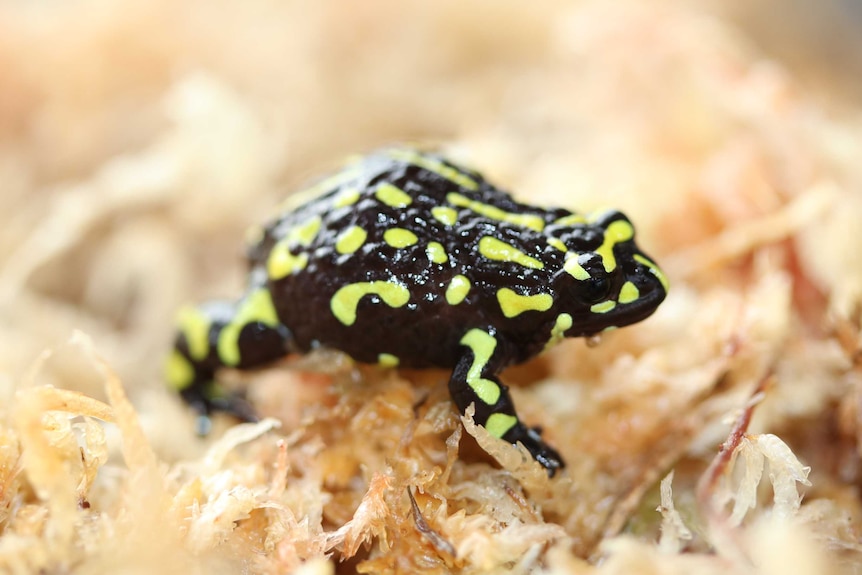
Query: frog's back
384, 263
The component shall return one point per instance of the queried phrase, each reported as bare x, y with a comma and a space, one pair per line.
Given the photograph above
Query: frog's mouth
645, 287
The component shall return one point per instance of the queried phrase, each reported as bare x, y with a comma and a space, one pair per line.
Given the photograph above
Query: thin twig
426, 531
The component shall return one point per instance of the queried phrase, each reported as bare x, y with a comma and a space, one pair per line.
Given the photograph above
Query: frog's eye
596, 288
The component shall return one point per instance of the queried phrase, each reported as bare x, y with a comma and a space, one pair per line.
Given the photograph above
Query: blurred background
819, 41
138, 139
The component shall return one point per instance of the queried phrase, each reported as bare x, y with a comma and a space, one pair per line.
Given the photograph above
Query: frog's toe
203, 425
236, 405
547, 456
208, 399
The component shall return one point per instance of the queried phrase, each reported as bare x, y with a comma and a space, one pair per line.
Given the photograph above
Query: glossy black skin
428, 330
425, 332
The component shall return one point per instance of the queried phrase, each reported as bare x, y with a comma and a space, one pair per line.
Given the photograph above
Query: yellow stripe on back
326, 185
435, 166
570, 220
530, 221
498, 250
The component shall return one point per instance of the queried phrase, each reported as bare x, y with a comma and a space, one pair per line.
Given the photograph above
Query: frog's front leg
242, 334
474, 381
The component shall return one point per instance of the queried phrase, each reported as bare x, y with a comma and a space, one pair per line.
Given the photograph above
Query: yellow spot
281, 263
482, 344
619, 231
305, 233
179, 373
514, 304
345, 300
499, 424
392, 196
603, 307
654, 270
399, 237
445, 215
628, 293
350, 240
256, 307
195, 325
557, 243
531, 221
457, 290
575, 269
570, 220
494, 249
558, 332
436, 166
387, 360
346, 198
436, 253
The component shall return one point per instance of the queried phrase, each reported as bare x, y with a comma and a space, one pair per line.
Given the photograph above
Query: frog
406, 259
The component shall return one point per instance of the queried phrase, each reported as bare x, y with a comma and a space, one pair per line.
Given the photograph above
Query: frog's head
606, 281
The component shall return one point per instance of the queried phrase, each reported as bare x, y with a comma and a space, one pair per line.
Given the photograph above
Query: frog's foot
474, 381
206, 399
531, 439
242, 334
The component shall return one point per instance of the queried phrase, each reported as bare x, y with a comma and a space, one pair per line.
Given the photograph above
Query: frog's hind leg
474, 381
242, 334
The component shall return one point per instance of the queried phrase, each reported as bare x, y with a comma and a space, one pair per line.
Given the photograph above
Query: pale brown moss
136, 147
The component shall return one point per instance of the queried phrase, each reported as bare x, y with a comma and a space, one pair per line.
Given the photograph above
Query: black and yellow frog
406, 259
